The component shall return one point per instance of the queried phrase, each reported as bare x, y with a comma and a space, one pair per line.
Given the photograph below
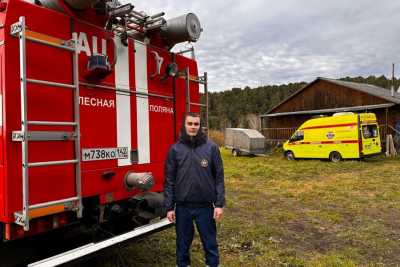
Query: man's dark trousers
205, 223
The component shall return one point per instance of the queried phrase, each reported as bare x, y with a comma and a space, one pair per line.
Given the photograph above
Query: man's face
192, 125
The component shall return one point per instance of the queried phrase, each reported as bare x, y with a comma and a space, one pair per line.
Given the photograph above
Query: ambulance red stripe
327, 142
329, 126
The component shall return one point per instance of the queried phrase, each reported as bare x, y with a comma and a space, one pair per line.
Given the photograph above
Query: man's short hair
192, 114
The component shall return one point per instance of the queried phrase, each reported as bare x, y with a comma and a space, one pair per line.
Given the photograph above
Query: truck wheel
289, 155
335, 156
235, 152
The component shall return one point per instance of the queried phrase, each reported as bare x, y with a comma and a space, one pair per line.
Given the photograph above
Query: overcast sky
261, 42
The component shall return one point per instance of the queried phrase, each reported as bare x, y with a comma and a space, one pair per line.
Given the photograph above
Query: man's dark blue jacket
194, 173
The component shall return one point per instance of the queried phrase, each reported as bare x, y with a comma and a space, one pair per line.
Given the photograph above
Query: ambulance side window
370, 131
298, 136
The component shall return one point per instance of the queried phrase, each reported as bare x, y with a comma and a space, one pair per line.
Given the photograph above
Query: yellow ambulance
341, 136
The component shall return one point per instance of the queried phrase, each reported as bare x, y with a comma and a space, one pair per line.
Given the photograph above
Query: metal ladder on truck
24, 136
202, 80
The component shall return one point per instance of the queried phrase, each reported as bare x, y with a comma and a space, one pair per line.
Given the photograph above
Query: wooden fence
278, 134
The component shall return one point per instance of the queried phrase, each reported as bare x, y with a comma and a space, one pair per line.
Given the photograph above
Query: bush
217, 137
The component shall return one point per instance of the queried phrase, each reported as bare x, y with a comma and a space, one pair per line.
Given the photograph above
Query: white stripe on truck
142, 103
123, 102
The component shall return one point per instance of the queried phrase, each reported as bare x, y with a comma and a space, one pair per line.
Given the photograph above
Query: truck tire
335, 156
235, 152
289, 155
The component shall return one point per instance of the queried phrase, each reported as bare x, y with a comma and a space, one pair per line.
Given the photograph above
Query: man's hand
171, 216
218, 213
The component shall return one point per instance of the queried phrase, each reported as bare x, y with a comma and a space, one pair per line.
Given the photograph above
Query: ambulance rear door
371, 143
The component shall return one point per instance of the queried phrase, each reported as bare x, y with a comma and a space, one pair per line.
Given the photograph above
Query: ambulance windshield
298, 136
370, 131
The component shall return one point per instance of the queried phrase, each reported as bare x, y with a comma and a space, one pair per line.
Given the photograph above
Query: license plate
93, 154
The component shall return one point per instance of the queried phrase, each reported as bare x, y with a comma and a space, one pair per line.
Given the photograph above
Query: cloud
257, 42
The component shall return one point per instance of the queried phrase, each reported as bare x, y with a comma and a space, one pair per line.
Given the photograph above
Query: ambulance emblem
330, 135
204, 163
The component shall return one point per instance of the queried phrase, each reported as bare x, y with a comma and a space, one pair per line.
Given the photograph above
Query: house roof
362, 87
369, 89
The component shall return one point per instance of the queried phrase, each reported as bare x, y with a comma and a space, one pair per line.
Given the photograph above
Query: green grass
301, 213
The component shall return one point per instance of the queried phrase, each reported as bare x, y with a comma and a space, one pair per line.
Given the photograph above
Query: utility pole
392, 87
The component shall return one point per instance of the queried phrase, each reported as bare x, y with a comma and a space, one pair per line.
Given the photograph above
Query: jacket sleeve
219, 177
170, 180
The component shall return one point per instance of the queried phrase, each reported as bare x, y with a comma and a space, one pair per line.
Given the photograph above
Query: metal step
52, 163
19, 28
52, 203
20, 218
49, 83
198, 104
44, 42
18, 136
95, 247
52, 123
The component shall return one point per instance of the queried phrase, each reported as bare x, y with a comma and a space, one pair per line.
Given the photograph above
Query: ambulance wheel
335, 156
289, 155
235, 152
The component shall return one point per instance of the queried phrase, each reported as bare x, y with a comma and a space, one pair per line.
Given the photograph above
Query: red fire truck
91, 99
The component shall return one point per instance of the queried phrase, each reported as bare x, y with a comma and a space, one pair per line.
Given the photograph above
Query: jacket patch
204, 163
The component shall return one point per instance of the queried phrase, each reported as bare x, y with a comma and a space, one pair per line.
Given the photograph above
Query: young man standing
194, 191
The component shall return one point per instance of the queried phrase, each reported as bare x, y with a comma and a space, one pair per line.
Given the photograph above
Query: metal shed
244, 141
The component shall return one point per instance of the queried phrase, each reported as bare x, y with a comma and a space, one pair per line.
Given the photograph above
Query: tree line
229, 108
